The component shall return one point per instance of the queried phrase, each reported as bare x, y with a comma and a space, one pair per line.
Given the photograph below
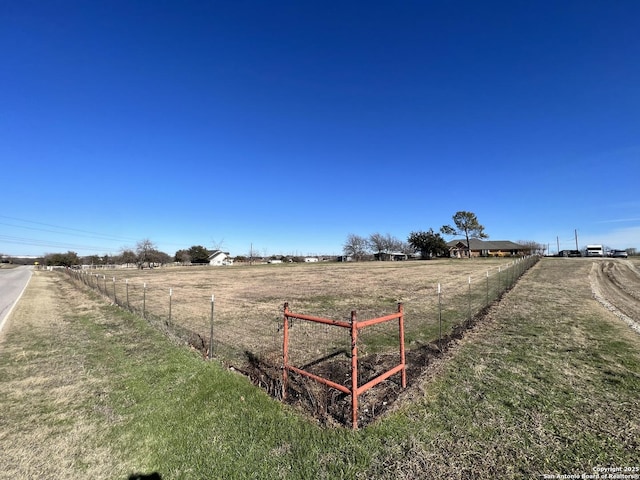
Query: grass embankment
547, 385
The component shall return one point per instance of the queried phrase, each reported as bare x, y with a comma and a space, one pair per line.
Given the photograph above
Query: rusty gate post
401, 333
354, 371
285, 350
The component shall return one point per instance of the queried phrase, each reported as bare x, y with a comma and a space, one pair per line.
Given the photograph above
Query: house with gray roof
486, 248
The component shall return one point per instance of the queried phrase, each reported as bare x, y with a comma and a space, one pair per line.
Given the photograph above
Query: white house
311, 259
218, 257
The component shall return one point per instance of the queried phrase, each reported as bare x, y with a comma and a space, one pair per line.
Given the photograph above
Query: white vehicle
594, 251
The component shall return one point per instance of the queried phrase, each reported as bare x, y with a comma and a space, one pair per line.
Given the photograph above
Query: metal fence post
211, 333
401, 335
170, 295
354, 371
439, 319
285, 350
487, 302
144, 300
469, 318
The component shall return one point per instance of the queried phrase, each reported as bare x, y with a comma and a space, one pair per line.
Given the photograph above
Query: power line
75, 231
49, 244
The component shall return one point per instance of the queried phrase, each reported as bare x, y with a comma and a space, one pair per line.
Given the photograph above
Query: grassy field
248, 324
547, 384
249, 299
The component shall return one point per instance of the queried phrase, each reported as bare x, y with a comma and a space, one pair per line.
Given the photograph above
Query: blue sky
290, 125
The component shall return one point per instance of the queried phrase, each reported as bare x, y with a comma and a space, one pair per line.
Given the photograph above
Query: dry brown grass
249, 299
546, 384
46, 428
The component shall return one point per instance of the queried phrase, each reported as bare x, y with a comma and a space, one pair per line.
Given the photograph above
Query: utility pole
576, 232
558, 242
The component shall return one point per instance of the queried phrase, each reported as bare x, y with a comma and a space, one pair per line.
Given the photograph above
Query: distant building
391, 256
485, 248
218, 258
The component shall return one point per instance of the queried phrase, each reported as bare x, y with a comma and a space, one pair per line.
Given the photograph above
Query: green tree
182, 256
429, 244
466, 223
127, 257
199, 254
62, 259
92, 260
161, 257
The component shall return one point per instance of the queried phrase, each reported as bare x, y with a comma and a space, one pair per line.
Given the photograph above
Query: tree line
428, 243
144, 255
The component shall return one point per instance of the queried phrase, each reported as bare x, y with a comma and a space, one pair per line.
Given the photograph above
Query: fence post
285, 350
487, 302
211, 333
469, 317
115, 295
144, 300
104, 278
170, 295
126, 282
401, 334
439, 320
354, 371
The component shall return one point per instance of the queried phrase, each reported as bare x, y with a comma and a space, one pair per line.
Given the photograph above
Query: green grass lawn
548, 384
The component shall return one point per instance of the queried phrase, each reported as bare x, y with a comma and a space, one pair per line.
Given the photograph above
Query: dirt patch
616, 285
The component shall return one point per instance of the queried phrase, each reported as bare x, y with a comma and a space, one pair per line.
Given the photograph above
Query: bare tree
377, 244
145, 250
355, 247
217, 245
532, 247
392, 243
382, 244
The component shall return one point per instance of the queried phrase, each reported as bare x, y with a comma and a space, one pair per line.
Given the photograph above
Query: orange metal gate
355, 326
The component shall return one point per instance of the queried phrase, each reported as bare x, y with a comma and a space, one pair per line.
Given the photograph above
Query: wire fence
236, 315
245, 326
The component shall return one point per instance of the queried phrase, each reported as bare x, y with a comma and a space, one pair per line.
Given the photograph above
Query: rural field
248, 316
249, 299
545, 383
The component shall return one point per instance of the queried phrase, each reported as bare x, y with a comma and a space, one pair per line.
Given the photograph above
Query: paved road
12, 283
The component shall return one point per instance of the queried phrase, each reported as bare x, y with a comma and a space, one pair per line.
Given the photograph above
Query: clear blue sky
290, 125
